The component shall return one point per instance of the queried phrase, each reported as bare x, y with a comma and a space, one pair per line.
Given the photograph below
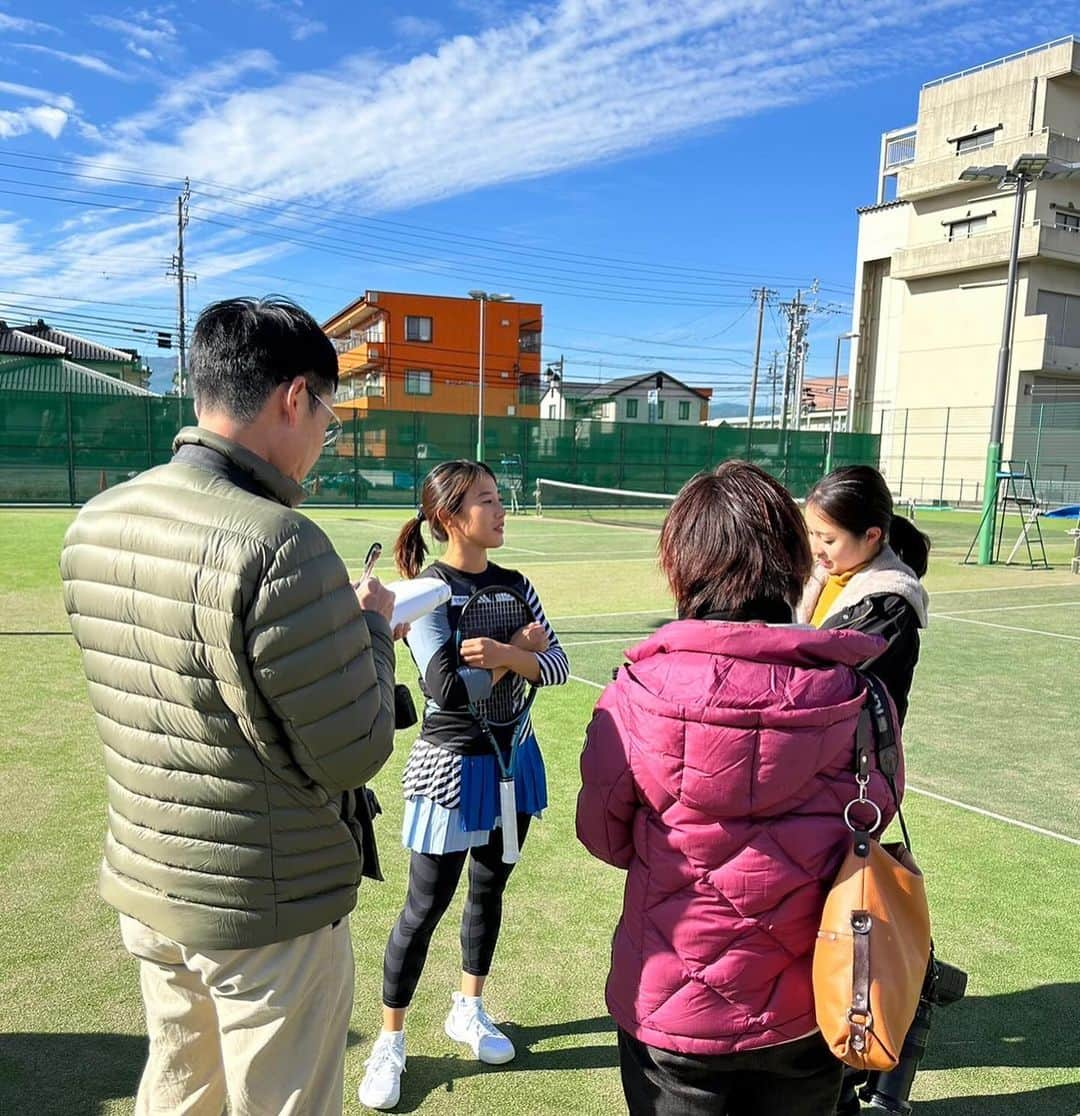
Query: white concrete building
932, 263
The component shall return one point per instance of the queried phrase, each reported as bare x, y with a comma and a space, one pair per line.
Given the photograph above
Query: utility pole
182, 277
793, 310
773, 373
762, 294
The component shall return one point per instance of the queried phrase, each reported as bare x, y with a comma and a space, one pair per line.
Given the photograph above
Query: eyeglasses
333, 428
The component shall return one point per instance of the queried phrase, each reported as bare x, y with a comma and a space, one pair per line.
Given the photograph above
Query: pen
372, 557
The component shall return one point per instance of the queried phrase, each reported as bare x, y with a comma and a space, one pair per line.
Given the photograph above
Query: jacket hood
737, 719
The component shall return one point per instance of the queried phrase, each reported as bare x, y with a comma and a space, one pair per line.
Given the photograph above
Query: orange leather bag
873, 946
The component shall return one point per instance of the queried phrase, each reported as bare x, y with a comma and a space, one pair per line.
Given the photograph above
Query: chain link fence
937, 455
64, 449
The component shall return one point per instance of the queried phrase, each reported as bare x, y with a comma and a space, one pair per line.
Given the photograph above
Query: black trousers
800, 1078
433, 879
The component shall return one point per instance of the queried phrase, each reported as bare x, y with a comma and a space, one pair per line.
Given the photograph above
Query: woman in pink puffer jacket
716, 769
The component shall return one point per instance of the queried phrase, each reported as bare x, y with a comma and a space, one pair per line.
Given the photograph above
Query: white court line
996, 817
524, 550
1002, 588
590, 615
1011, 608
593, 642
1005, 627
601, 526
940, 798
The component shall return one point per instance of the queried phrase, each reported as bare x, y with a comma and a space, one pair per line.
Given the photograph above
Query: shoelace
482, 1021
385, 1056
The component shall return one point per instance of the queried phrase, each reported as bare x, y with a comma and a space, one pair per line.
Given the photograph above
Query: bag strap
876, 726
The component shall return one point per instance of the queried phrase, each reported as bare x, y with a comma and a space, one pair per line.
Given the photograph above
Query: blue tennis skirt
430, 828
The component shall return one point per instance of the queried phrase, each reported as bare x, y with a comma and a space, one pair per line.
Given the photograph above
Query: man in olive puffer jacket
243, 689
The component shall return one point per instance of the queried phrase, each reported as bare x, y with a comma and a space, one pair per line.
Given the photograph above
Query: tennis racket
498, 612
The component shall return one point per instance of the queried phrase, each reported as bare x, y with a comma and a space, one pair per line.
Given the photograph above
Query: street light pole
835, 389
997, 420
1024, 171
483, 297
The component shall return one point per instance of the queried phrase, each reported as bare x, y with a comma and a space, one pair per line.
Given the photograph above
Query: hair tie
419, 515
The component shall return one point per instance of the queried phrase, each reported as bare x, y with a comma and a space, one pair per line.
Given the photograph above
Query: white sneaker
381, 1087
469, 1023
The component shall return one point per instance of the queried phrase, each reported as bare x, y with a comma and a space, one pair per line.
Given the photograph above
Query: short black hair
242, 348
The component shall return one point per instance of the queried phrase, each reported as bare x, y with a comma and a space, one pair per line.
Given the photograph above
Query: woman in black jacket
869, 565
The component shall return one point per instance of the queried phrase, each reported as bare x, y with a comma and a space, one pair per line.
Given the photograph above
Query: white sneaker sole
386, 1104
488, 1061
390, 1102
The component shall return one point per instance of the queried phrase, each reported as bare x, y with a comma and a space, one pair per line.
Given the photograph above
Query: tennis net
619, 507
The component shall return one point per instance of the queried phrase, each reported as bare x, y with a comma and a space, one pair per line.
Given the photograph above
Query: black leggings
433, 879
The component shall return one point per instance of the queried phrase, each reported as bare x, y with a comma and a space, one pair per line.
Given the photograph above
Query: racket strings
498, 616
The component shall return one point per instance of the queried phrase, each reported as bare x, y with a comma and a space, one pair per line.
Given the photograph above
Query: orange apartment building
417, 352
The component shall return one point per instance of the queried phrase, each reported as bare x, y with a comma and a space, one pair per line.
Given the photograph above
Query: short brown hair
733, 536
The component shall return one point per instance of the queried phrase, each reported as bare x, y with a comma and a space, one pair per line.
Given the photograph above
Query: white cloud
144, 28
417, 27
23, 26
85, 61
305, 28
146, 35
291, 13
41, 118
31, 93
574, 84
198, 91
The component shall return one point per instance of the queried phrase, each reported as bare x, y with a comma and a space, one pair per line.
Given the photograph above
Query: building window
1069, 221
417, 329
529, 340
552, 408
529, 392
1062, 317
631, 408
684, 410
660, 411
967, 228
975, 141
417, 381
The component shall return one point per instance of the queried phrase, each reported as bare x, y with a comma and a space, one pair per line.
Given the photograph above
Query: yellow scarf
830, 591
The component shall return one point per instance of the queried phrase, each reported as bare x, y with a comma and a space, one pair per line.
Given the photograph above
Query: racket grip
508, 813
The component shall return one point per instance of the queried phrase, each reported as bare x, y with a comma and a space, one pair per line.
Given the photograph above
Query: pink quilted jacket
715, 770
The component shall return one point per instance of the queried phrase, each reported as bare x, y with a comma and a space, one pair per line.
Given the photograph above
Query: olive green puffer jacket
239, 690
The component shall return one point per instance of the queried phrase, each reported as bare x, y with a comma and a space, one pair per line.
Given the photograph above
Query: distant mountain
162, 371
727, 410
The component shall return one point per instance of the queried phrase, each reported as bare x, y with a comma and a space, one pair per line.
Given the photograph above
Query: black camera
890, 1090
404, 709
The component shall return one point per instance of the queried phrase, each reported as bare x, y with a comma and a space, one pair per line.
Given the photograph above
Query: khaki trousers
262, 1030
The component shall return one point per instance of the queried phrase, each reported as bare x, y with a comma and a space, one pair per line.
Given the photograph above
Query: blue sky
636, 165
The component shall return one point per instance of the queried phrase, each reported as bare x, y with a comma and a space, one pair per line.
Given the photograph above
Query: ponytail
912, 547
410, 549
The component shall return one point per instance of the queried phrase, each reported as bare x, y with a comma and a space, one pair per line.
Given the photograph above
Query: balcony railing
900, 151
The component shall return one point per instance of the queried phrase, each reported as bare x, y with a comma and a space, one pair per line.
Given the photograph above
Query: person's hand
401, 631
484, 652
531, 638
373, 596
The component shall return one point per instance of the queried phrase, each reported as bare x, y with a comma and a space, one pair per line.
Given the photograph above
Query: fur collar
886, 575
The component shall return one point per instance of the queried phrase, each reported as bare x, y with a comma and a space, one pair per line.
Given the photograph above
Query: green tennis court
994, 812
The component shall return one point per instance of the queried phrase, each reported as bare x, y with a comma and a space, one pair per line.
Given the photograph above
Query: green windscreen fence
64, 449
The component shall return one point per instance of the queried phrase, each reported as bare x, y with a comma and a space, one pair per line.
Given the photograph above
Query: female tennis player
479, 658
